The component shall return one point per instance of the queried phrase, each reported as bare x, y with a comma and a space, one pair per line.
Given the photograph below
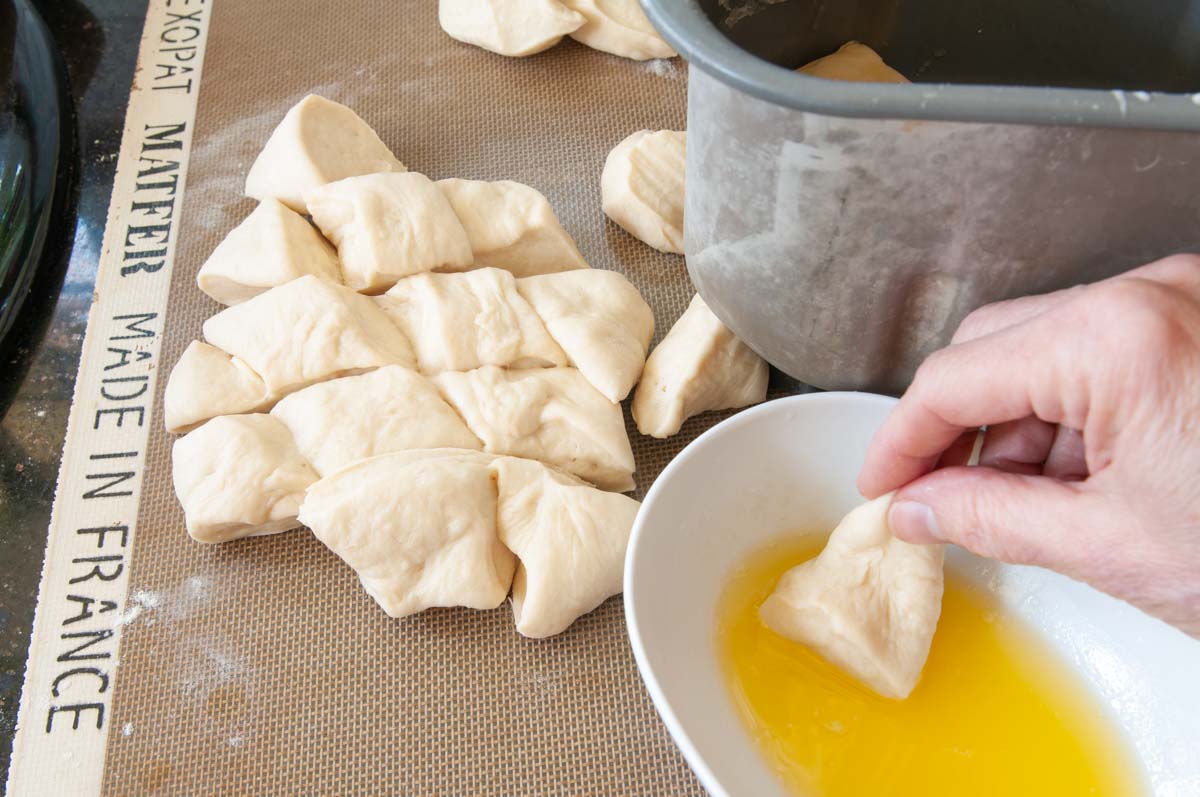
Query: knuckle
1135, 316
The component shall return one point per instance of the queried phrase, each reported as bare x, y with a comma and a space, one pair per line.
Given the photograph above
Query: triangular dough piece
869, 603
600, 321
570, 539
207, 382
642, 187
419, 528
853, 62
508, 27
512, 226
553, 415
390, 409
699, 366
318, 141
307, 331
273, 245
619, 27
239, 476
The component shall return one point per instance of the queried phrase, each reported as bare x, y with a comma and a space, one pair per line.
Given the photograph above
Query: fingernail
914, 521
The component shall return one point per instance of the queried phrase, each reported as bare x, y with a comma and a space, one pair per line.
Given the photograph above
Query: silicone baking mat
261, 667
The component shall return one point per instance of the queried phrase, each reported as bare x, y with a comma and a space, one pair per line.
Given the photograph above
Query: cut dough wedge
272, 246
512, 226
390, 409
601, 322
458, 322
619, 27
419, 528
239, 476
307, 331
698, 366
389, 226
642, 187
207, 382
854, 62
570, 539
508, 27
869, 603
318, 141
553, 415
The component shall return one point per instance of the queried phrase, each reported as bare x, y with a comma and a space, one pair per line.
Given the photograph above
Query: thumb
1007, 516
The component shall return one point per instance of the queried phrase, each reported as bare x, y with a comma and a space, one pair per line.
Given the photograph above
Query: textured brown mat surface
261, 667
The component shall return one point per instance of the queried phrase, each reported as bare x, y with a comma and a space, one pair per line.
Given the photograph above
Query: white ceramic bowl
792, 463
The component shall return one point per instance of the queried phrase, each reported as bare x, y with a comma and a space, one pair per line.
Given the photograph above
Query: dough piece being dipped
698, 366
854, 62
553, 415
272, 246
419, 528
641, 187
512, 226
619, 27
570, 539
207, 382
389, 226
383, 411
869, 603
508, 27
600, 321
318, 141
307, 331
239, 476
458, 322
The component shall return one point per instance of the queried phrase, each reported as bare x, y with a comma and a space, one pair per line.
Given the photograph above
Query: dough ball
389, 226
619, 27
553, 415
698, 366
239, 476
570, 539
318, 141
869, 603
600, 321
207, 382
419, 528
641, 187
390, 409
458, 322
512, 226
272, 246
508, 27
854, 62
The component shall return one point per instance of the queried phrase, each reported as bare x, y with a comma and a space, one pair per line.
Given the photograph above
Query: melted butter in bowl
995, 713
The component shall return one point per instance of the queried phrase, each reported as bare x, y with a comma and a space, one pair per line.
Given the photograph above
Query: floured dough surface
319, 141
699, 366
642, 187
207, 382
869, 603
854, 62
619, 27
508, 27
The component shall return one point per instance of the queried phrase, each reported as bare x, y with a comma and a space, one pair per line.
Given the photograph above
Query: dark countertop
99, 40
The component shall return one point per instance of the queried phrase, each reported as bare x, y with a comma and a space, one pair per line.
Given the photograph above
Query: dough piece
854, 62
207, 382
641, 187
353, 418
508, 27
600, 321
307, 331
272, 246
512, 226
458, 322
698, 366
318, 141
869, 603
570, 539
388, 226
553, 415
619, 27
419, 528
239, 476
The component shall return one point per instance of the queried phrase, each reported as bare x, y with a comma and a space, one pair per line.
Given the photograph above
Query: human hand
1091, 461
